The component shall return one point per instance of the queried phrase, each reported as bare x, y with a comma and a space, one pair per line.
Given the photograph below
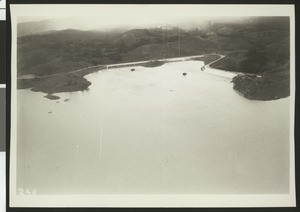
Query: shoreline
75, 80
250, 86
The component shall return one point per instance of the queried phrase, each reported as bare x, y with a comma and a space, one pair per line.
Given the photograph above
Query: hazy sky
112, 16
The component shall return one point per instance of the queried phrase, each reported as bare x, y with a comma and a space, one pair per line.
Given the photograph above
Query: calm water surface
153, 131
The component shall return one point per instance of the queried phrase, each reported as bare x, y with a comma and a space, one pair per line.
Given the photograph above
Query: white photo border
193, 200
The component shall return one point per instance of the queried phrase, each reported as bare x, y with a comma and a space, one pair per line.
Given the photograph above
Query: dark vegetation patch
267, 87
271, 61
65, 82
55, 84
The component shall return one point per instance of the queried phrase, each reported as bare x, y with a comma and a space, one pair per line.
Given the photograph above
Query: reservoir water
152, 131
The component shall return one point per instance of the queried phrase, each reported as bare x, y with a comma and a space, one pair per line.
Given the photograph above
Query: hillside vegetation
256, 45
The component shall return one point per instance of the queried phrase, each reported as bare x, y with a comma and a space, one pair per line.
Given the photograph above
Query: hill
255, 45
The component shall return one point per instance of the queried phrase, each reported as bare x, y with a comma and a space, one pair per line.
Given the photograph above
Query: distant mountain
30, 28
45, 26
